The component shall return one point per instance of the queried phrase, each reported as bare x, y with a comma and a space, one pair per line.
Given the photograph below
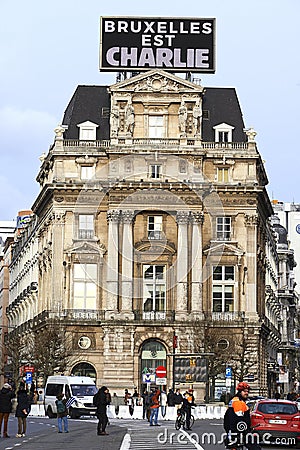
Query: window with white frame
155, 171
222, 174
154, 288
223, 289
87, 131
223, 132
87, 172
86, 226
84, 286
156, 127
154, 227
223, 228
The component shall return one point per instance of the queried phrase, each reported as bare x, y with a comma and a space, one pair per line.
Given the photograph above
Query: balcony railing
157, 316
155, 142
82, 314
225, 316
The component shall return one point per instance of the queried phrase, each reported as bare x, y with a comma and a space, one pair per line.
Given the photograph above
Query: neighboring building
151, 227
289, 215
7, 231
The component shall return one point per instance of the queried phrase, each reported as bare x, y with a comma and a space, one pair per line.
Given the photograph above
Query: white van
82, 388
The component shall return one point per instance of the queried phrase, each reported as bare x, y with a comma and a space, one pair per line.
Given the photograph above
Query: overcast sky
47, 48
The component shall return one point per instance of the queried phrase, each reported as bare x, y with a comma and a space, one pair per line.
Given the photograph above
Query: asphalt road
42, 434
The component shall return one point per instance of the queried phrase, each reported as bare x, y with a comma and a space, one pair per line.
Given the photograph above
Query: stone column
182, 218
127, 263
197, 218
113, 261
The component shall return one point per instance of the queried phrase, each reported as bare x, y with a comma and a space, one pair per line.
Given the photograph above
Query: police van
80, 391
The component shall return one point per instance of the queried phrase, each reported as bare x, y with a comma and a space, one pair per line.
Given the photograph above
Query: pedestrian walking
62, 413
100, 401
23, 409
154, 407
6, 396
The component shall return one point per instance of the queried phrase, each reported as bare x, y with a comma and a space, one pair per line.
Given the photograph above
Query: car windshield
277, 408
83, 389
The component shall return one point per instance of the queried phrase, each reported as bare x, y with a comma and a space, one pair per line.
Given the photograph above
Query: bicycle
181, 420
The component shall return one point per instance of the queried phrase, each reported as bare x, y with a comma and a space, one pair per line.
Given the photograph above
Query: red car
276, 422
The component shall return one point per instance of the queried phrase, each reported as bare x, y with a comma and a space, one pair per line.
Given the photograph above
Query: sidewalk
82, 436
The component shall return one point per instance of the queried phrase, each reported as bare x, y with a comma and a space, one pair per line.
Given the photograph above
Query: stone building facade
151, 229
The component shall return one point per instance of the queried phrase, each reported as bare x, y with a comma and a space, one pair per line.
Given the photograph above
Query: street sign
228, 372
28, 377
161, 381
148, 378
161, 372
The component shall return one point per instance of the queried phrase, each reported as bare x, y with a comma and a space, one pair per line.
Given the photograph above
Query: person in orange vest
237, 423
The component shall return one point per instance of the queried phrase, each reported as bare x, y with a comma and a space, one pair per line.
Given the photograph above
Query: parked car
276, 421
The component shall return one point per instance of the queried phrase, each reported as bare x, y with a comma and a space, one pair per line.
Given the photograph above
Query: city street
124, 434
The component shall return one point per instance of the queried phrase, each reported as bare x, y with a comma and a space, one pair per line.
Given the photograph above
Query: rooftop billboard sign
143, 43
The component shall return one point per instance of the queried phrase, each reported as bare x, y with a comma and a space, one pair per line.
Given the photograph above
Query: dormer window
87, 131
223, 132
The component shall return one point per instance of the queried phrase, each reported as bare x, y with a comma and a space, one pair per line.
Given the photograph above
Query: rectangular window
85, 286
223, 288
154, 289
87, 134
154, 227
223, 174
223, 228
155, 171
156, 127
87, 172
223, 136
86, 226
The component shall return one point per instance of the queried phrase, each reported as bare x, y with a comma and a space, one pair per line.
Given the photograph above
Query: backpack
61, 407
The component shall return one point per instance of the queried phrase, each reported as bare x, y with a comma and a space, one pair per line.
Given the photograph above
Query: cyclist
237, 421
188, 402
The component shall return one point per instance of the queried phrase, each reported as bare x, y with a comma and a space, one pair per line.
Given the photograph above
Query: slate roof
89, 103
92, 103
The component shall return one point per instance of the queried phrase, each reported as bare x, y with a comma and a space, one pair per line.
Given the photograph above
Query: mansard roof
92, 103
88, 103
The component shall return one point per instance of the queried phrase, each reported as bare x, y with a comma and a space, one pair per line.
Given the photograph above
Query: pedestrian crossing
141, 437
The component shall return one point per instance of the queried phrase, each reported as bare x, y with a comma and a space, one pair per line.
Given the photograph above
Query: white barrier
37, 411
199, 412
111, 412
171, 413
124, 412
137, 412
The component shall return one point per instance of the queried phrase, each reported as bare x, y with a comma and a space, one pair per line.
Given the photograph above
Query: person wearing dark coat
100, 400
23, 409
6, 396
170, 398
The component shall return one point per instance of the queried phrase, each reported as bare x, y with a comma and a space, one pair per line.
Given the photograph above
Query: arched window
84, 370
